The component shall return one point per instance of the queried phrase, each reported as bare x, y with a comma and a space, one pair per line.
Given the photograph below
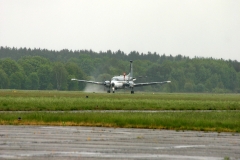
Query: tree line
42, 69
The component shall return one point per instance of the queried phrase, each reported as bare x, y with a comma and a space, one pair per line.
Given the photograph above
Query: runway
50, 142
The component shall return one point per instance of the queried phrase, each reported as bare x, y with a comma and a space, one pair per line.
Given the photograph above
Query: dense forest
41, 69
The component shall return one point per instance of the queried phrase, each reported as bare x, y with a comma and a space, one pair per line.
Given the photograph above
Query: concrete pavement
76, 142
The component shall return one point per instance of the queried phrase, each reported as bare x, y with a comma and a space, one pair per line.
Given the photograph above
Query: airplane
122, 81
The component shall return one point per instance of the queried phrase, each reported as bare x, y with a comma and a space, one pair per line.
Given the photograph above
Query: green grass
68, 101
222, 110
227, 121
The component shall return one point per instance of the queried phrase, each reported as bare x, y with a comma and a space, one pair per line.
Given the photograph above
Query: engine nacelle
107, 83
131, 84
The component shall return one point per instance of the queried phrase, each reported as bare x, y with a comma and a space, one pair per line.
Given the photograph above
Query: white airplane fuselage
121, 82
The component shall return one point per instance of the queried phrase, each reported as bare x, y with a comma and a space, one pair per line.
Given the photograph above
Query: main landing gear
132, 91
113, 90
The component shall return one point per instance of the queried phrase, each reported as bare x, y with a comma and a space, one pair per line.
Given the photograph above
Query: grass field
206, 112
68, 101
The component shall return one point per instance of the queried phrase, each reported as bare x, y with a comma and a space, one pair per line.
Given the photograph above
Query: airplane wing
150, 83
93, 82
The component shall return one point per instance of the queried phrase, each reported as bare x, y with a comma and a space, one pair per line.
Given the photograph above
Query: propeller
107, 83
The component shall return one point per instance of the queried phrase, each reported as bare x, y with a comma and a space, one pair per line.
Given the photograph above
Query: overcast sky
202, 28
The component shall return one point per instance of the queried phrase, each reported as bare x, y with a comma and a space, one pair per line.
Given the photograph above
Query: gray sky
202, 28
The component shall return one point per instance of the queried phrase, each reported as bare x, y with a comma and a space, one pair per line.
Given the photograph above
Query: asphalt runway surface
75, 142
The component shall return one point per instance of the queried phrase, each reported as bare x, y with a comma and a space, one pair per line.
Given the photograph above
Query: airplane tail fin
131, 69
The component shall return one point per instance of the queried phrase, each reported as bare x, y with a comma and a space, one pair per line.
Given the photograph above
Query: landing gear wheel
108, 91
132, 92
